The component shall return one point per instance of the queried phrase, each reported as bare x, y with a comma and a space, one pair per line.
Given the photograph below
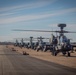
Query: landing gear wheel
63, 53
55, 53
34, 48
44, 50
68, 54
37, 49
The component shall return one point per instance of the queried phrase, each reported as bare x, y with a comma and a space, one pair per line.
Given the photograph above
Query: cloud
12, 36
53, 25
6, 14
71, 27
36, 4
35, 17
6, 11
69, 10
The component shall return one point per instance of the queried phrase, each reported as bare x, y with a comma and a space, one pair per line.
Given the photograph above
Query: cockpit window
63, 39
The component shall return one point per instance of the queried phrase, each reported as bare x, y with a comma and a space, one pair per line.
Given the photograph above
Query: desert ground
47, 56
13, 62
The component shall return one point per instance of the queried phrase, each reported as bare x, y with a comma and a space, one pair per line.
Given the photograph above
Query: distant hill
6, 43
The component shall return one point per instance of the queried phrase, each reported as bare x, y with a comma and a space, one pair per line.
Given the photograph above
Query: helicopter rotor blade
44, 31
32, 30
36, 30
71, 32
66, 32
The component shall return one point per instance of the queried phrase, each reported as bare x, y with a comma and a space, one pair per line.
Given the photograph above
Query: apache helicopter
59, 43
41, 44
29, 44
34, 43
16, 43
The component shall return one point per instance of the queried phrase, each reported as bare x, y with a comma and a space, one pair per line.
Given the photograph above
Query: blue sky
36, 14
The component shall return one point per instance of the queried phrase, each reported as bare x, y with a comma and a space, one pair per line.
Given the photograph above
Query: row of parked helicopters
56, 44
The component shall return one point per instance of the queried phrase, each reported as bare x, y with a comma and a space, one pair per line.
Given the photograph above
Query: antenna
52, 30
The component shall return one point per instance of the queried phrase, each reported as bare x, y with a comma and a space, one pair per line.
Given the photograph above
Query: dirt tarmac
59, 59
14, 63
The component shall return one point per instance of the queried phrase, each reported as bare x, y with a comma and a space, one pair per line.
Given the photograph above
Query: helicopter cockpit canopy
63, 39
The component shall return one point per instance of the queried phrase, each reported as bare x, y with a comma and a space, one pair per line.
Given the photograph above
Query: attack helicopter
22, 43
16, 43
36, 43
58, 43
19, 42
41, 44
29, 44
